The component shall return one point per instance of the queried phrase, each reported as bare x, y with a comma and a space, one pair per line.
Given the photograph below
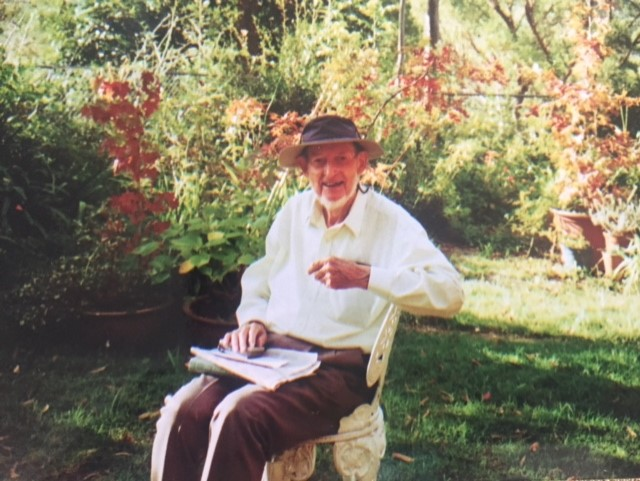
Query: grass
533, 295
73, 416
537, 379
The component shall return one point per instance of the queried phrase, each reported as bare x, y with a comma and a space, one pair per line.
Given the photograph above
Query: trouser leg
225, 430
266, 423
182, 432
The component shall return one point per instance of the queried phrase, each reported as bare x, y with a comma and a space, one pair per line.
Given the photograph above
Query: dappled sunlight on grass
527, 294
508, 406
537, 379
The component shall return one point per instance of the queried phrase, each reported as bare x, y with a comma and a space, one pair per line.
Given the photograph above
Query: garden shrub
457, 153
49, 164
211, 125
102, 32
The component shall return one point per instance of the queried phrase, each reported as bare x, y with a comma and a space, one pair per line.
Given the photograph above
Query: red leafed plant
123, 108
597, 156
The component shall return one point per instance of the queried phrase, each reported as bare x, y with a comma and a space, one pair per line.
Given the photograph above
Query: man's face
333, 171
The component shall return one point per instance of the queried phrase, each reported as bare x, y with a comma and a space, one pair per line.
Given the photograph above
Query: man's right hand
337, 273
249, 335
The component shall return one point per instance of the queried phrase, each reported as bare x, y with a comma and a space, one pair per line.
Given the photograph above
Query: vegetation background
475, 105
137, 149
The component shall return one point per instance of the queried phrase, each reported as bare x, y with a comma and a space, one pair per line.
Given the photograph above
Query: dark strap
334, 357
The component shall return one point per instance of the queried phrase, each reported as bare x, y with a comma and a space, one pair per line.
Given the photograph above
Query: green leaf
146, 249
189, 242
162, 262
160, 278
231, 173
199, 260
216, 237
245, 259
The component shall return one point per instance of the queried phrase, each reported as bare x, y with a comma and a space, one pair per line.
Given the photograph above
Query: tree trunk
401, 26
434, 21
247, 24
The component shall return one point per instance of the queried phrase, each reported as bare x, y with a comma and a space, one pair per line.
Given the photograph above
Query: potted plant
595, 155
594, 186
620, 221
212, 250
121, 281
95, 296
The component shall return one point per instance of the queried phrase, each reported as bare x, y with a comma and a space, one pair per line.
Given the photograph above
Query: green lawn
537, 379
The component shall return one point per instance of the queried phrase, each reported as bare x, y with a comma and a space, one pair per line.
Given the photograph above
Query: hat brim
289, 155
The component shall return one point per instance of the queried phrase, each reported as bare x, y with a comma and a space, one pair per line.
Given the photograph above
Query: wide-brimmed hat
328, 129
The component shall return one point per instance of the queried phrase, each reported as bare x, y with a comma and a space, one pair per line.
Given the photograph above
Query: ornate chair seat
360, 442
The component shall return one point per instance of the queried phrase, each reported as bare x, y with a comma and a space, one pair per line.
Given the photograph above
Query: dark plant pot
211, 312
148, 329
211, 317
579, 226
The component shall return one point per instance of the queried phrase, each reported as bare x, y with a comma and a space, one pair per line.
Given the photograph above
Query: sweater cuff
246, 318
380, 281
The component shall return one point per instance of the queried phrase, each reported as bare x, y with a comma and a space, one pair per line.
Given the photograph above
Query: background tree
434, 21
477, 146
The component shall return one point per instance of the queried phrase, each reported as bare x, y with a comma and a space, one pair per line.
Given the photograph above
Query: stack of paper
270, 370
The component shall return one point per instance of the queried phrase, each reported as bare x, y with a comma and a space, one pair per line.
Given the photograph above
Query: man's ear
363, 161
301, 161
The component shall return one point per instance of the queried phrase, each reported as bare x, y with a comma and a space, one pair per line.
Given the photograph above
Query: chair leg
296, 464
359, 459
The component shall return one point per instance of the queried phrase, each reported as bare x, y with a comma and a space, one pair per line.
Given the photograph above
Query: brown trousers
226, 429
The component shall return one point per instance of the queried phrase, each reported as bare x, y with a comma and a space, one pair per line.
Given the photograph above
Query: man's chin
332, 204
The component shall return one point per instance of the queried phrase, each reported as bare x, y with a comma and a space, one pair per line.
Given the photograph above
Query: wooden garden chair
360, 442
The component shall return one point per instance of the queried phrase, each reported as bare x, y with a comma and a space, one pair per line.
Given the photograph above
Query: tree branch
635, 41
507, 17
529, 10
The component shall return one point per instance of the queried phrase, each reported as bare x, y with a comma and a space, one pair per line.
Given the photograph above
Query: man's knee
243, 413
182, 408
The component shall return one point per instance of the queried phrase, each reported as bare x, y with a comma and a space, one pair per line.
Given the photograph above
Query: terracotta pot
578, 225
613, 243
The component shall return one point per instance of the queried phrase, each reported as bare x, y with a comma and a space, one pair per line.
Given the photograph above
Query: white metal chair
360, 442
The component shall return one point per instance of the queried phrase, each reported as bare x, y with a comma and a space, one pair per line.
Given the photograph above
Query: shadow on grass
74, 416
72, 454
469, 404
464, 404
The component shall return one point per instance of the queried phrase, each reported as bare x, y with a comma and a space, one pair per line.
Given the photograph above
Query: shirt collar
355, 217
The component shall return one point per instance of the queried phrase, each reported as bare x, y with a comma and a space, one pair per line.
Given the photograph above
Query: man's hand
337, 273
249, 335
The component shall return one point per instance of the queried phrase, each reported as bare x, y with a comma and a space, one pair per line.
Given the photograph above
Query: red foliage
582, 115
285, 131
124, 110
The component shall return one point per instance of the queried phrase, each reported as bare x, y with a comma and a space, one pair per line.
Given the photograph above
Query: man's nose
330, 168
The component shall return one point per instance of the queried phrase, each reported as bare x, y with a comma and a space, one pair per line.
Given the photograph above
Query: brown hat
328, 129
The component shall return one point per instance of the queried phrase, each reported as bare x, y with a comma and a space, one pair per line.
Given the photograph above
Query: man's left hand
337, 273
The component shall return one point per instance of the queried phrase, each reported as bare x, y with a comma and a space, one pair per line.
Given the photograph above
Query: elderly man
336, 256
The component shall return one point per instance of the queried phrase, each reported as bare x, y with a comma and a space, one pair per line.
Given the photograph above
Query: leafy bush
227, 196
124, 108
95, 277
480, 162
49, 167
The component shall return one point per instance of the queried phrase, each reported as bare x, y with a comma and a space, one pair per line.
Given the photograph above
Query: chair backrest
379, 359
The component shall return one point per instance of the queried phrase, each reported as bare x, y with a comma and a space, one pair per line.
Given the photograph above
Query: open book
275, 367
